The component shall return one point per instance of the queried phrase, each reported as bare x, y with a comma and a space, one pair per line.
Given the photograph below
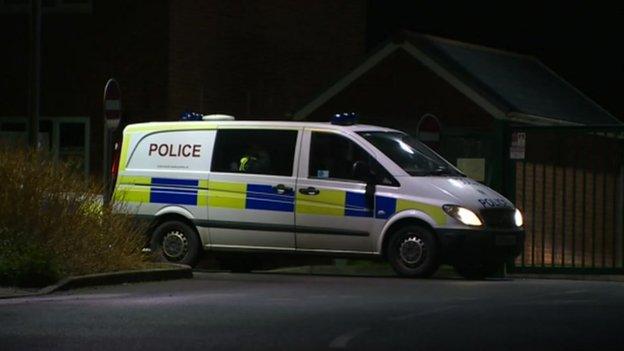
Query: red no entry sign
112, 104
429, 128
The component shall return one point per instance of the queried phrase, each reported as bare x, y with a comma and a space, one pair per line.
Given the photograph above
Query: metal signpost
112, 116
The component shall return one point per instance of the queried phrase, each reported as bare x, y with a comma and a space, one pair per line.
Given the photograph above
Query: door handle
282, 189
309, 191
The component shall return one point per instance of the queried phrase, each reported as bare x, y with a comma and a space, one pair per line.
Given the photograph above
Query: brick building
246, 58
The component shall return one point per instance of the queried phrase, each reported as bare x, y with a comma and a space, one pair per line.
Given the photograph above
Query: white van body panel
192, 156
175, 210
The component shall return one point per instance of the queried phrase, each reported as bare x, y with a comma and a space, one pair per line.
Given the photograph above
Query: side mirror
361, 170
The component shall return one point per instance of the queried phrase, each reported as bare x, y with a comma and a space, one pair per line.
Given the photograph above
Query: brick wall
80, 51
247, 58
259, 59
14, 63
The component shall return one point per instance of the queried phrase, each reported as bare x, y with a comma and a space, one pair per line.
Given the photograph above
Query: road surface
260, 311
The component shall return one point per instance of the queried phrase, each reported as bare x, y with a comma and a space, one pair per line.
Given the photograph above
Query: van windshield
410, 154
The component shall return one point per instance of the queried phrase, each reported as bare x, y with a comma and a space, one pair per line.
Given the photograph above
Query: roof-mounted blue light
344, 119
191, 116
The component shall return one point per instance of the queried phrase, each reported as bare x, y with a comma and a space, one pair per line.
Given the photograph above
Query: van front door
251, 198
332, 211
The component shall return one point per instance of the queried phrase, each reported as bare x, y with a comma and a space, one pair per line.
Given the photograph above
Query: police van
338, 188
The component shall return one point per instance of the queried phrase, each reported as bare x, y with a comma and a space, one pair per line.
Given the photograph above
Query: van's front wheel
413, 252
176, 242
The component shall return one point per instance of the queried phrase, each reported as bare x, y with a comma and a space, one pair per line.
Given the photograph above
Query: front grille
498, 218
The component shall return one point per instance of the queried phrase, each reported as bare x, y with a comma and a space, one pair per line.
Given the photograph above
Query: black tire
477, 270
183, 244
413, 252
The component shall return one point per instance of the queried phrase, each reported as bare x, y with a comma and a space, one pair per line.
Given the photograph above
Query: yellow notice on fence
472, 167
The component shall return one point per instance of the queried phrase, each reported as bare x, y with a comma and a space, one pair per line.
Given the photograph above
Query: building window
65, 138
47, 6
13, 133
12, 126
72, 146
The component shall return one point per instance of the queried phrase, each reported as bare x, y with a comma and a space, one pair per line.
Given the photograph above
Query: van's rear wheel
413, 252
176, 242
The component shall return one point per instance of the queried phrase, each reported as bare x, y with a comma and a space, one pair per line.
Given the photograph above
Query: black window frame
217, 146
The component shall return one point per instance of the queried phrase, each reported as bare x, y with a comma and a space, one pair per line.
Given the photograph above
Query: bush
52, 224
27, 265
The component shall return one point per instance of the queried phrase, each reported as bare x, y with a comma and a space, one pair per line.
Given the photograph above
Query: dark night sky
582, 41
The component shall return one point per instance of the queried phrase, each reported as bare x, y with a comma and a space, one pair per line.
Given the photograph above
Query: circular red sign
429, 128
112, 100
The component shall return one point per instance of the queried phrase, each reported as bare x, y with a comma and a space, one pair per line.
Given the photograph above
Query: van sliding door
251, 197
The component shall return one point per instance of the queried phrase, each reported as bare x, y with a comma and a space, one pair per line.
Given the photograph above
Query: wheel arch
173, 213
409, 217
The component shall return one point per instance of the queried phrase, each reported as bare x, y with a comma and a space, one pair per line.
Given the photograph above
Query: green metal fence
569, 184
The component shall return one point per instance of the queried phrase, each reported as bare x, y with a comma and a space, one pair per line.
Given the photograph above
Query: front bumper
480, 244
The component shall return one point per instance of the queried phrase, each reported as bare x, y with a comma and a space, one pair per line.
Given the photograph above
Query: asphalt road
304, 312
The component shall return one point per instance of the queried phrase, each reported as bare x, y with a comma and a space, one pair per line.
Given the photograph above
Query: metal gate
569, 184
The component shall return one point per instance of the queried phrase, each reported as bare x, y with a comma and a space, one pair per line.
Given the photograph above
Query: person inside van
255, 160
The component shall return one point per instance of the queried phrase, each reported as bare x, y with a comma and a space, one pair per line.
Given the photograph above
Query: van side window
332, 156
254, 151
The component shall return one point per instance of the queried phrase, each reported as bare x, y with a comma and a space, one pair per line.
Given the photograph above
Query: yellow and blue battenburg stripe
385, 206
201, 192
196, 192
265, 197
174, 191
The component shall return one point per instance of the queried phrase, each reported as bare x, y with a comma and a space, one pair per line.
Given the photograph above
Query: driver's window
332, 156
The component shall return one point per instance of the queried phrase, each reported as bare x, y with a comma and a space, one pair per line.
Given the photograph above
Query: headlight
518, 218
463, 215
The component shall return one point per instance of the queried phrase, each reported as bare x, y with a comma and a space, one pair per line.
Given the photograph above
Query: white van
336, 188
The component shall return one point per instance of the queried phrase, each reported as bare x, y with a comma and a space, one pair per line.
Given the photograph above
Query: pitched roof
507, 85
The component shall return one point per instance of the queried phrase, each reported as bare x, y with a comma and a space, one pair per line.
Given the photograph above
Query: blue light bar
344, 119
191, 116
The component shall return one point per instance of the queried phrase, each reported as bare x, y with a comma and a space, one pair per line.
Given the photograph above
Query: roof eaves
594, 103
492, 95
433, 38
516, 116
